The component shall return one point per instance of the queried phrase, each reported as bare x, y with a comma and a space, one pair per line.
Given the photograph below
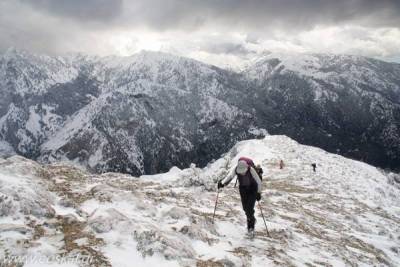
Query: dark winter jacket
247, 179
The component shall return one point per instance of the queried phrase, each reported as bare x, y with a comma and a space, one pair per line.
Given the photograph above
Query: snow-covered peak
155, 63
33, 73
321, 65
345, 213
325, 71
147, 71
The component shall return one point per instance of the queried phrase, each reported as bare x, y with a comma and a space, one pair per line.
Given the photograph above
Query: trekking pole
215, 208
262, 214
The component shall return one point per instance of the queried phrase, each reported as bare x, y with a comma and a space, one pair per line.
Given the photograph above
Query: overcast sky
216, 31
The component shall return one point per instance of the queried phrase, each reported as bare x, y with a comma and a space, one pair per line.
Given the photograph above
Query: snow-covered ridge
34, 74
330, 68
347, 213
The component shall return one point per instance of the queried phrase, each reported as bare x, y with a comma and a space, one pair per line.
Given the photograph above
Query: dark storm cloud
249, 14
88, 25
260, 14
85, 10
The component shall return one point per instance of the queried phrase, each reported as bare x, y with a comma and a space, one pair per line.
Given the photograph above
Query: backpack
257, 168
250, 162
259, 171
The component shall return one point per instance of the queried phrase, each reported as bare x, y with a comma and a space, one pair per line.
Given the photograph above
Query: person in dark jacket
249, 188
281, 164
314, 166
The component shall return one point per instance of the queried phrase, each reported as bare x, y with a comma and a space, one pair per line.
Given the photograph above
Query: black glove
258, 197
220, 185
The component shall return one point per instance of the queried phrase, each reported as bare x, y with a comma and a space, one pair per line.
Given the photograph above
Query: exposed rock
107, 220
14, 227
175, 213
171, 247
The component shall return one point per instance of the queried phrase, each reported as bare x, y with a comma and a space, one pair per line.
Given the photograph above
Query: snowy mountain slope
362, 74
154, 111
345, 104
347, 213
33, 74
138, 114
38, 94
148, 112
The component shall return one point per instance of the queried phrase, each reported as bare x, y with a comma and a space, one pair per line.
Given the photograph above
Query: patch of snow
258, 131
6, 149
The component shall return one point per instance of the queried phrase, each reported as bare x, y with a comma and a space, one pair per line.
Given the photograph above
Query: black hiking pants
248, 195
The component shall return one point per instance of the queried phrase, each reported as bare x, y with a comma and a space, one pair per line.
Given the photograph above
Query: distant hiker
314, 166
281, 164
249, 188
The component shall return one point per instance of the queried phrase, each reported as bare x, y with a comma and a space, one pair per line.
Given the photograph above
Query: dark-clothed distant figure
314, 166
281, 164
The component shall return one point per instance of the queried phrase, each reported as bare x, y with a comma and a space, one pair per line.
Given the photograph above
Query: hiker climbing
249, 188
314, 166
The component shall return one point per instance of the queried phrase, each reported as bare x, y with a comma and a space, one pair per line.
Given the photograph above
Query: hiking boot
250, 233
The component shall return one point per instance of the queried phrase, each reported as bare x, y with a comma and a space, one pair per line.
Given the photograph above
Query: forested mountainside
151, 111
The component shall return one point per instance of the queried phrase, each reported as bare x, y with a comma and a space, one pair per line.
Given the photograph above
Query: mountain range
148, 112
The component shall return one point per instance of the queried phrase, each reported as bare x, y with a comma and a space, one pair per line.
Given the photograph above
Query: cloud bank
204, 29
